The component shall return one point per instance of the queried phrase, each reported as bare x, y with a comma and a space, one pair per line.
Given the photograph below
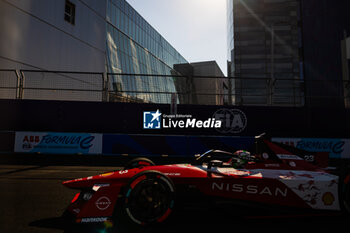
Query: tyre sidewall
346, 195
146, 176
139, 162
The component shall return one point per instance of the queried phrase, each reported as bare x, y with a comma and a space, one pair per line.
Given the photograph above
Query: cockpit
219, 158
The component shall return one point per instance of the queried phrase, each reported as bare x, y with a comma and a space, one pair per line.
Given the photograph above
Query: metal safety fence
147, 88
51, 85
9, 84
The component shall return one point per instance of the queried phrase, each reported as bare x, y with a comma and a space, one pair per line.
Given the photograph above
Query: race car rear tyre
346, 195
139, 162
149, 198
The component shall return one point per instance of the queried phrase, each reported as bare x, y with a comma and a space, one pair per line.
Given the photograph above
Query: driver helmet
243, 154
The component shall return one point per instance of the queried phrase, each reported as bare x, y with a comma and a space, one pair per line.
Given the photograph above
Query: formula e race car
146, 194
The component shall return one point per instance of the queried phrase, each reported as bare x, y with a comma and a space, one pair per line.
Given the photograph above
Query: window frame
69, 16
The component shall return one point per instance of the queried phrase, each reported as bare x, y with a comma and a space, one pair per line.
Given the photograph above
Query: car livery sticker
318, 189
91, 220
107, 174
286, 156
103, 203
232, 171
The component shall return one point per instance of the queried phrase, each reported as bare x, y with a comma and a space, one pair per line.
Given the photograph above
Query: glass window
117, 39
132, 14
126, 9
121, 41
113, 15
126, 24
127, 64
122, 61
134, 30
138, 19
112, 58
137, 34
128, 46
122, 21
122, 5
69, 12
130, 27
117, 17
148, 28
108, 10
118, 3
143, 38
119, 60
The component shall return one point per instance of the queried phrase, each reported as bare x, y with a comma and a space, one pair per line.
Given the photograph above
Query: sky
195, 28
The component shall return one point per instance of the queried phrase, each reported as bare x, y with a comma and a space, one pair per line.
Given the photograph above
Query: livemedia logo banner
157, 120
223, 120
152, 120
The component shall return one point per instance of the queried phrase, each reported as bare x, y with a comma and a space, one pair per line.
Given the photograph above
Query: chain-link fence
207, 90
146, 88
9, 84
51, 85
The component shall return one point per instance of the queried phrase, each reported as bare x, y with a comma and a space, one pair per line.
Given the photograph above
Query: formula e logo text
151, 120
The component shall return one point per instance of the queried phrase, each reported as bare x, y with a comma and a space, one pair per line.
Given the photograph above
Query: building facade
265, 52
135, 47
36, 35
326, 52
205, 83
105, 37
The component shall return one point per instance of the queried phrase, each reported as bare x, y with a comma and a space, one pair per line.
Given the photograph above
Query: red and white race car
145, 193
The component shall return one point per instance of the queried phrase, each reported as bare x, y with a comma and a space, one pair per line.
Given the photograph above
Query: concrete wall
34, 34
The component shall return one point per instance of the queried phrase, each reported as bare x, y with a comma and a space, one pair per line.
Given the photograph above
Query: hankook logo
233, 120
249, 189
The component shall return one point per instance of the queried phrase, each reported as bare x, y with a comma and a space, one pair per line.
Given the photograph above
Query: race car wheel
346, 195
138, 162
149, 198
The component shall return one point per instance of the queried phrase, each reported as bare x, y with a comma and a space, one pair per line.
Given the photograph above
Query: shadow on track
214, 220
52, 223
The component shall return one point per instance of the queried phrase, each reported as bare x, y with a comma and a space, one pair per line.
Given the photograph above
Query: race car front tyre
139, 162
149, 198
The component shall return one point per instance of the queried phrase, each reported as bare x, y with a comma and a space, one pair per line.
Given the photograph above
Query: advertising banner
336, 147
171, 145
223, 121
58, 143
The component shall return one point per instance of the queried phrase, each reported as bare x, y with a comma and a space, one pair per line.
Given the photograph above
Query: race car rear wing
263, 144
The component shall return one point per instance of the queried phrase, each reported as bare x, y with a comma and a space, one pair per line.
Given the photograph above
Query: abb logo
31, 139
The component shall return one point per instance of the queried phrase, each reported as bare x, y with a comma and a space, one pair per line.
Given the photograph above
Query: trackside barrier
7, 141
124, 144
171, 145
337, 148
152, 145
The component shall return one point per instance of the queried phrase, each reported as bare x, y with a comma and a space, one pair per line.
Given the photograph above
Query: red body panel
245, 186
288, 181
